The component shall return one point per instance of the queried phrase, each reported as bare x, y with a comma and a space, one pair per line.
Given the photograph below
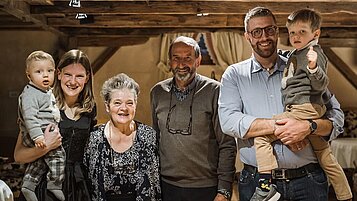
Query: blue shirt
249, 92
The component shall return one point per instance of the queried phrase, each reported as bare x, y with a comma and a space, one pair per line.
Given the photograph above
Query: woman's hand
23, 154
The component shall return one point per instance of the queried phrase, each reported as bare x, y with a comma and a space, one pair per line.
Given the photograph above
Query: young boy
37, 109
303, 85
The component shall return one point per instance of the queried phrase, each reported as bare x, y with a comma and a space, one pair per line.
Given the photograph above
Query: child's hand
312, 58
40, 142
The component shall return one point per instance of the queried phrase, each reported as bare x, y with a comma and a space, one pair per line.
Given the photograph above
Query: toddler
37, 109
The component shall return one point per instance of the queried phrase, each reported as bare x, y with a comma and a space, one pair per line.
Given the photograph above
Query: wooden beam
21, 11
110, 41
94, 32
341, 66
192, 7
186, 20
39, 2
103, 58
338, 42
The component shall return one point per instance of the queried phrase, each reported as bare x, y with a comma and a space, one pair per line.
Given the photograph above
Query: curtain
166, 39
225, 48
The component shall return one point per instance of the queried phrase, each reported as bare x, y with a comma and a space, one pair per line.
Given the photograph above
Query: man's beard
185, 76
265, 53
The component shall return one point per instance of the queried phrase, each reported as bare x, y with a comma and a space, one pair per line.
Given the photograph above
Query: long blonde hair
85, 102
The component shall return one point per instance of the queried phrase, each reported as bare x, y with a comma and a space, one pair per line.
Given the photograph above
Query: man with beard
250, 95
197, 159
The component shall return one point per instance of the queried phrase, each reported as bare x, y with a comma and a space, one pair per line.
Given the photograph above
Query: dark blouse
75, 136
134, 171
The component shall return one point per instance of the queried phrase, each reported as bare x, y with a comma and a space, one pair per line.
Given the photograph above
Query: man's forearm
261, 127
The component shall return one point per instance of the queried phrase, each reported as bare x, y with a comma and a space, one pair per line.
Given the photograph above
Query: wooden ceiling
116, 23
123, 22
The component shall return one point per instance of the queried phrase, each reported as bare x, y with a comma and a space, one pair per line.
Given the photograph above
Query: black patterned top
135, 170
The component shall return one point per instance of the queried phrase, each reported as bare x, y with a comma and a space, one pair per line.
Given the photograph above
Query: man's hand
220, 197
291, 131
311, 58
53, 139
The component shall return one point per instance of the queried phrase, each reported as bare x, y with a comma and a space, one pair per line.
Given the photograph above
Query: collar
182, 95
313, 42
34, 86
167, 86
188, 88
279, 65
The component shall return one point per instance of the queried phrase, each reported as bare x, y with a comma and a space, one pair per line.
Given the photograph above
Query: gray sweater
303, 86
37, 109
206, 158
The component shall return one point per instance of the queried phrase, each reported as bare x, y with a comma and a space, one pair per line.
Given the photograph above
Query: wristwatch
313, 126
225, 193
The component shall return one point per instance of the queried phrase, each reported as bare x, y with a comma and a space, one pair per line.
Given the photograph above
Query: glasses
179, 131
269, 31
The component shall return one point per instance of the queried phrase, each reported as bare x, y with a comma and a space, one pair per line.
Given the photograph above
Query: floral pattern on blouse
136, 169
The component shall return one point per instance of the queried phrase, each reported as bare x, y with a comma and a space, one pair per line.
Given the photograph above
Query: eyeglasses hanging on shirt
171, 130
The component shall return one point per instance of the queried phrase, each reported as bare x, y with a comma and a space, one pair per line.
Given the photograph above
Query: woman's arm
23, 154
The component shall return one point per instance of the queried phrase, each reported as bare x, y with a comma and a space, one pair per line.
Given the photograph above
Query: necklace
71, 112
123, 162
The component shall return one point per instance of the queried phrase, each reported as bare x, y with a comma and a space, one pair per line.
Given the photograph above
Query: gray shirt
249, 92
37, 109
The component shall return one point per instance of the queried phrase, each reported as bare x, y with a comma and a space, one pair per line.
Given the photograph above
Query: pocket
246, 177
318, 177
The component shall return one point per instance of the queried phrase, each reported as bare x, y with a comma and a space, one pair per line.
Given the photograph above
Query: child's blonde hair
38, 56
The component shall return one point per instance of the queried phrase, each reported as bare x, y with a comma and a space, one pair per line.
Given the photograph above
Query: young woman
75, 99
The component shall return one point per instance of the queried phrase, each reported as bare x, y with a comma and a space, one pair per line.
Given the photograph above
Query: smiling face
121, 107
183, 63
41, 73
73, 79
266, 45
300, 34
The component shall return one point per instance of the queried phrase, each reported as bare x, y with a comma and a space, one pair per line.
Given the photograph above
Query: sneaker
260, 195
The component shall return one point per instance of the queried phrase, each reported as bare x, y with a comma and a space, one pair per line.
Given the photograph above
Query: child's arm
40, 142
317, 67
311, 58
23, 154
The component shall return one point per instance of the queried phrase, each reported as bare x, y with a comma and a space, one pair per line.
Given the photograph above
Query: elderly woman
122, 155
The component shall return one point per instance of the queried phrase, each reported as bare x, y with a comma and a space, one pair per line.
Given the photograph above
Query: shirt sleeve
149, 188
153, 112
334, 114
227, 151
29, 110
319, 79
233, 121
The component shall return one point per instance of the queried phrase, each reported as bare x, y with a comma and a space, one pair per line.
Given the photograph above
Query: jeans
313, 186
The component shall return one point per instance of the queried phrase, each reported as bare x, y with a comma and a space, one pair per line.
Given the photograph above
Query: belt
285, 174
